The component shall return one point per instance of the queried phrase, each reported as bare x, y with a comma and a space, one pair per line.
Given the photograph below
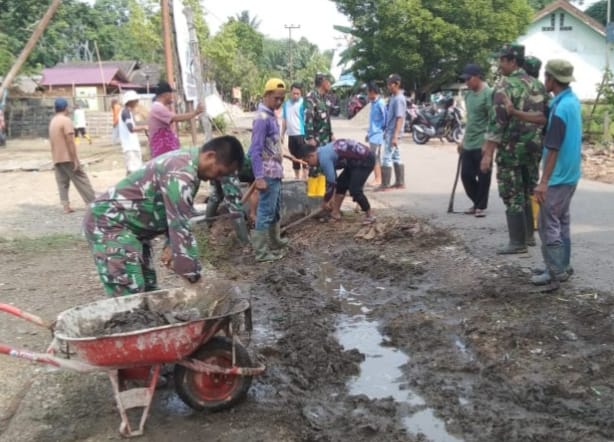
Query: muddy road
400, 337
401, 334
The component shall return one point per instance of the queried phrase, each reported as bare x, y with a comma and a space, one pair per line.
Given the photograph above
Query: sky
315, 17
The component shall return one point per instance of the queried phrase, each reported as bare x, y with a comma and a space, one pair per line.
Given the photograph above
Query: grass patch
54, 242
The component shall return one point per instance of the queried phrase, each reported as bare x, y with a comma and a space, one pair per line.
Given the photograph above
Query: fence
28, 117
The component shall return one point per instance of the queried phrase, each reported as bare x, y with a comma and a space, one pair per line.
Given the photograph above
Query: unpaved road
418, 333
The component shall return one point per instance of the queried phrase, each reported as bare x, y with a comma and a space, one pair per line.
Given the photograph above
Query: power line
290, 28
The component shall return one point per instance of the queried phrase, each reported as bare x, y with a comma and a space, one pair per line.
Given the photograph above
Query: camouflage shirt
516, 138
317, 119
156, 199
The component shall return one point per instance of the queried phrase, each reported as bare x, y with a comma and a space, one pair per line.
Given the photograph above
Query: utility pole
289, 28
198, 71
166, 35
25, 52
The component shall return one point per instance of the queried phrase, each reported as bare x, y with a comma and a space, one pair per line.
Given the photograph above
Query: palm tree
252, 22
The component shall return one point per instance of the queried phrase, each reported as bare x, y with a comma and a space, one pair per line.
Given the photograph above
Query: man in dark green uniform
318, 130
516, 142
155, 200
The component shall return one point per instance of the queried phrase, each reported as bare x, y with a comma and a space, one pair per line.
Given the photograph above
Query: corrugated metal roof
90, 75
126, 66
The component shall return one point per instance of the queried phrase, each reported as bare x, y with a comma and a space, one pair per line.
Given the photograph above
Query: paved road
429, 174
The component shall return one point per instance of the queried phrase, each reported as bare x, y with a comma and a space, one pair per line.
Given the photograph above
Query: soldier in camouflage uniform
532, 65
157, 199
516, 142
318, 130
228, 189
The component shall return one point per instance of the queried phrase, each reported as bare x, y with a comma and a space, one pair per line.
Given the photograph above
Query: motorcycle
442, 121
357, 102
411, 113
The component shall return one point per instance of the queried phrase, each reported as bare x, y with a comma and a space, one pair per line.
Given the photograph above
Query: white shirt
78, 117
128, 139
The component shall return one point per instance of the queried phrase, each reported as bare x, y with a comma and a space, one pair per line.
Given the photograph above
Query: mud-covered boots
386, 175
517, 229
399, 176
554, 258
241, 230
276, 241
260, 244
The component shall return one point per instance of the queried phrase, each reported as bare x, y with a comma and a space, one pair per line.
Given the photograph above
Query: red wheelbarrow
213, 371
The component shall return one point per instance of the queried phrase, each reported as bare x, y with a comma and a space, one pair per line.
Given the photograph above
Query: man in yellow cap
265, 153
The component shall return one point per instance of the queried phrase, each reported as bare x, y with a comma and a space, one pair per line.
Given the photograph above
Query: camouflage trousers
515, 187
533, 169
124, 262
228, 189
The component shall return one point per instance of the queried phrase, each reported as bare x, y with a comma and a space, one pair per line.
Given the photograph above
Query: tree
252, 22
428, 43
6, 57
598, 11
541, 4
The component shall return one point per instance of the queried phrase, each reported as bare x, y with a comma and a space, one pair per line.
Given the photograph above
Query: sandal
479, 213
470, 211
369, 220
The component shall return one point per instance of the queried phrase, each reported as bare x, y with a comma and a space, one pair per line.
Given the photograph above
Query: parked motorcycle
411, 113
442, 121
356, 103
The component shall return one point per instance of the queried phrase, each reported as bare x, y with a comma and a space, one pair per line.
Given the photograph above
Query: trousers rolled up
64, 174
391, 154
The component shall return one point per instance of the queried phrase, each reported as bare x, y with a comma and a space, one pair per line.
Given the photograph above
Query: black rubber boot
517, 229
399, 176
386, 175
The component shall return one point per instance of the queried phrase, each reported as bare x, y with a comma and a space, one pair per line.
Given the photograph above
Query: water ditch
381, 374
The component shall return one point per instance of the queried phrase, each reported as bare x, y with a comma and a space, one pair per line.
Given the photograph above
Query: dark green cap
561, 70
532, 65
513, 50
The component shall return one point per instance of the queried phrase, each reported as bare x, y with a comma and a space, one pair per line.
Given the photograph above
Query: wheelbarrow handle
46, 358
25, 315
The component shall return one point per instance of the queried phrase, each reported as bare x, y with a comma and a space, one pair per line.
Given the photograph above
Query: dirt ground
394, 334
598, 164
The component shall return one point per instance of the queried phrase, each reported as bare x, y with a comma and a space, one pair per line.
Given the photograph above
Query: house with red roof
89, 83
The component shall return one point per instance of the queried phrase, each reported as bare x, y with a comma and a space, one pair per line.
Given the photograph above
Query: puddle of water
264, 335
432, 427
380, 374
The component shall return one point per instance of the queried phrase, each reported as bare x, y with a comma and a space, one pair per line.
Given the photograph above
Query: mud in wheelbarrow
133, 336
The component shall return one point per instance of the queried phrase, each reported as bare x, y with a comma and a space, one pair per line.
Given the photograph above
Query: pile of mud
143, 318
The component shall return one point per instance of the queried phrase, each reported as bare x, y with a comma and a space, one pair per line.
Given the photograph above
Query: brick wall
29, 118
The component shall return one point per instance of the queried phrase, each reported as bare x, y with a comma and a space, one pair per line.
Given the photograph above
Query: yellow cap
274, 84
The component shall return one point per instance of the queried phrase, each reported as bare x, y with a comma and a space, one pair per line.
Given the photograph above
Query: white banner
184, 51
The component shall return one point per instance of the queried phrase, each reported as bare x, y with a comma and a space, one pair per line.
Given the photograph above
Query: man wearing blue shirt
395, 121
561, 173
357, 162
293, 124
377, 124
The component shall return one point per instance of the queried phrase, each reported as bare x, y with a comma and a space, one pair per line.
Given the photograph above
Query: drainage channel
380, 373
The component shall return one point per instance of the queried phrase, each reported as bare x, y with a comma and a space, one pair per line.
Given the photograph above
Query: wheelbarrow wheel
214, 392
